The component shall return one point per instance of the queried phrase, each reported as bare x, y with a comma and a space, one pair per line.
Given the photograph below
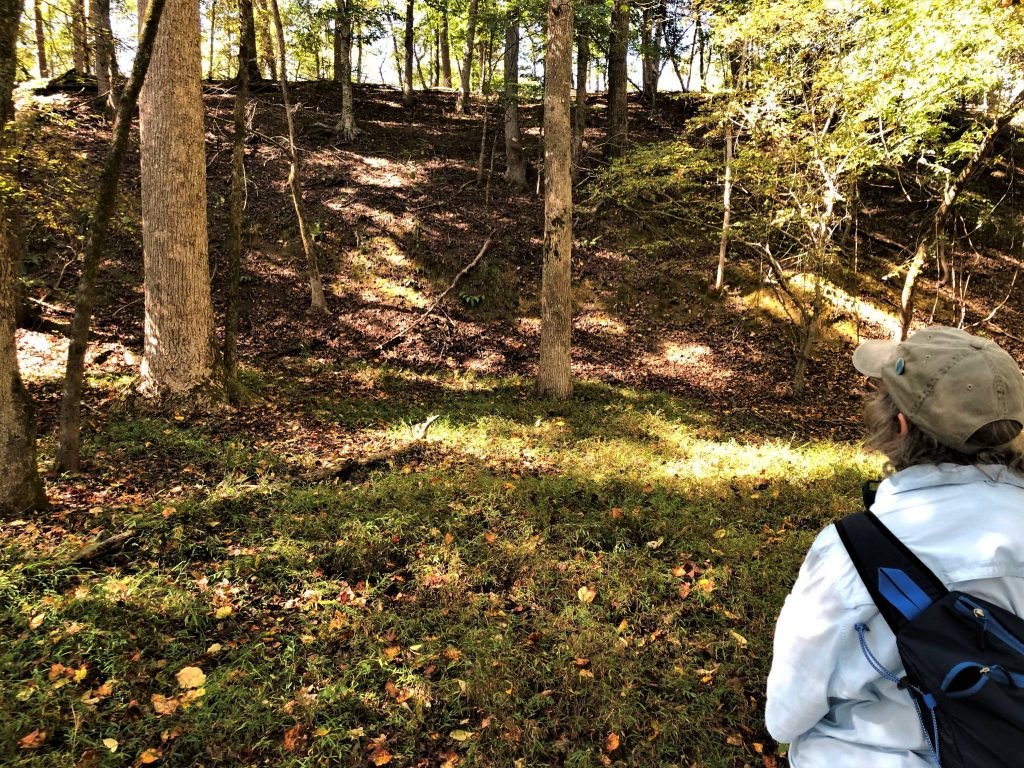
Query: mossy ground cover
514, 583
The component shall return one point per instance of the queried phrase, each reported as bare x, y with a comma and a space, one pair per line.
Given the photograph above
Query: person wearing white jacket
947, 412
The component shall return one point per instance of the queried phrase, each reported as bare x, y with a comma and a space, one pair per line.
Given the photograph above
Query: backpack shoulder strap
899, 583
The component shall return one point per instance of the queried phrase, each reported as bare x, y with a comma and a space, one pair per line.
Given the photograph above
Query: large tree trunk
106, 54
265, 40
79, 54
44, 66
20, 489
317, 304
618, 44
515, 159
555, 370
462, 105
71, 403
347, 124
446, 57
246, 47
579, 125
180, 353
939, 219
407, 93
247, 40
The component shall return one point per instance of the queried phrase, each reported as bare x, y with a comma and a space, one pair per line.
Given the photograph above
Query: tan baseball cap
947, 382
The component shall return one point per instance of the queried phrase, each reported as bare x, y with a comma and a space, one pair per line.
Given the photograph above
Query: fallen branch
100, 547
430, 310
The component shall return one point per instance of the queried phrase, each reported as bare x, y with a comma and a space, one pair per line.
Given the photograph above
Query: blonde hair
994, 443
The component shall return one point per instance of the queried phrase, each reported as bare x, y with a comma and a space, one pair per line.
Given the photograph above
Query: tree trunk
359, 58
213, 33
247, 40
180, 353
941, 215
106, 55
347, 124
555, 370
579, 125
20, 489
68, 456
618, 45
435, 71
317, 304
398, 58
723, 244
407, 93
44, 66
649, 59
265, 39
78, 40
462, 104
246, 43
515, 160
446, 57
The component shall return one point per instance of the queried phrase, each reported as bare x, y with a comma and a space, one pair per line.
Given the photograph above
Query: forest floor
401, 556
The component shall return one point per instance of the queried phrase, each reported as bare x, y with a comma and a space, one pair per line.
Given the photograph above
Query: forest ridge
481, 419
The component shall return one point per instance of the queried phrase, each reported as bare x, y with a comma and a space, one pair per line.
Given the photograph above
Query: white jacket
966, 524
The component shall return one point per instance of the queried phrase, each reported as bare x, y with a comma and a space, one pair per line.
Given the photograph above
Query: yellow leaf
191, 677
740, 639
721, 533
81, 673
110, 744
150, 756
215, 648
758, 747
460, 735
163, 705
36, 621
586, 595
223, 612
391, 652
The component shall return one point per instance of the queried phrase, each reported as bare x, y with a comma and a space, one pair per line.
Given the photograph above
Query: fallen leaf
111, 744
294, 738
738, 637
616, 513
223, 612
191, 677
150, 756
33, 740
586, 595
460, 735
36, 621
391, 652
380, 756
611, 742
163, 705
215, 648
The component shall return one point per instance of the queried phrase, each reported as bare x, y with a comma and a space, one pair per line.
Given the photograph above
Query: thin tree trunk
649, 60
233, 309
68, 446
693, 51
78, 38
20, 488
346, 126
723, 244
515, 159
316, 290
180, 356
435, 72
939, 219
265, 39
555, 370
462, 104
44, 66
618, 46
213, 33
106, 54
483, 144
579, 126
407, 93
446, 59
359, 58
398, 59
247, 40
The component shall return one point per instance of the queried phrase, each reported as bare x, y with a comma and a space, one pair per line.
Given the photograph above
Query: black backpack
963, 656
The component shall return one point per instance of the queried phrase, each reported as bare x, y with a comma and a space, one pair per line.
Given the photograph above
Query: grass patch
526, 580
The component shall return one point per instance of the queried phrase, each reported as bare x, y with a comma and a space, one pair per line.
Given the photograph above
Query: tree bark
343, 69
317, 304
555, 370
579, 125
68, 446
462, 104
618, 45
213, 33
246, 43
247, 40
180, 353
446, 58
435, 70
723, 243
407, 93
44, 66
79, 53
265, 40
20, 488
939, 219
106, 55
515, 159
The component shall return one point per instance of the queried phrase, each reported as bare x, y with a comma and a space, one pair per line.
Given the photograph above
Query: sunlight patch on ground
602, 323
41, 356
